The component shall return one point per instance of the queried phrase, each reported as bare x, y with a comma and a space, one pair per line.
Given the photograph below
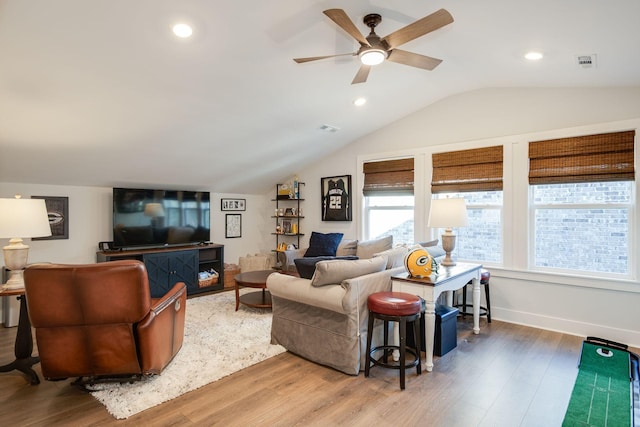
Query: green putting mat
602, 394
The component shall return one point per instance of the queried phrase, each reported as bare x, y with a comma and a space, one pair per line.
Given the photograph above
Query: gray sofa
346, 248
326, 324
324, 319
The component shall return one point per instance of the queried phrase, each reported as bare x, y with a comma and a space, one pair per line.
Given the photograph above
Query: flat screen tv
144, 218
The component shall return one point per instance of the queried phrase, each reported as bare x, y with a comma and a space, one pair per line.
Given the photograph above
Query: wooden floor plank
508, 375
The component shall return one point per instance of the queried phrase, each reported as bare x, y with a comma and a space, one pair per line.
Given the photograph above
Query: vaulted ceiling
102, 93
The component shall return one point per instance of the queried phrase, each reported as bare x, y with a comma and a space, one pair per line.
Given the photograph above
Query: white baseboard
567, 326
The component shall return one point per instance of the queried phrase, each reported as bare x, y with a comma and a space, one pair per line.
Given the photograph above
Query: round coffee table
253, 279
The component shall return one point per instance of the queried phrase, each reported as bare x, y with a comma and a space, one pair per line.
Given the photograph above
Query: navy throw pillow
307, 266
322, 244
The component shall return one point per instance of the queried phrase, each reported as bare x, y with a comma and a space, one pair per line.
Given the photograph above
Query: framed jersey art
336, 198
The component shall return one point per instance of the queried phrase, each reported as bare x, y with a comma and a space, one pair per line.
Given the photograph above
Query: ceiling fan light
373, 56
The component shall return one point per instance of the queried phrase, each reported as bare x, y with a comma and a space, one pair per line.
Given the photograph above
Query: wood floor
509, 375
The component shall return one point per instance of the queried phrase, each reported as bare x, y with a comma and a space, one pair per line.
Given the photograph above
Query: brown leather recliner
98, 320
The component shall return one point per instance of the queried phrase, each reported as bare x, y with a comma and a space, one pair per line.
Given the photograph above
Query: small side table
23, 347
449, 279
253, 279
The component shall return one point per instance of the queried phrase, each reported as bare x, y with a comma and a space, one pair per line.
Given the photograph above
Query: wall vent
329, 128
586, 61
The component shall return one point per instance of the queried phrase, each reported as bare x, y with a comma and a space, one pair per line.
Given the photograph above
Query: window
476, 176
389, 200
481, 239
390, 216
581, 199
582, 226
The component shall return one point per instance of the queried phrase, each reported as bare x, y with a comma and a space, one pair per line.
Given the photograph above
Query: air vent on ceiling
329, 128
586, 61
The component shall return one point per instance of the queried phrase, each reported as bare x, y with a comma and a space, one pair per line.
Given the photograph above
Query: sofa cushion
436, 251
321, 244
367, 248
335, 271
307, 266
299, 290
347, 247
429, 243
394, 257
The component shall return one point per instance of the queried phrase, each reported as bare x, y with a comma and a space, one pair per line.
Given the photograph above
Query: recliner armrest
178, 292
161, 332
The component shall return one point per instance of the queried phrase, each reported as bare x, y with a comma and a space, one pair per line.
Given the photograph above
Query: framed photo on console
58, 210
336, 198
233, 225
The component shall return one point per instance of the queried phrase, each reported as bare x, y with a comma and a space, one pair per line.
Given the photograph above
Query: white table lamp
156, 212
23, 218
448, 213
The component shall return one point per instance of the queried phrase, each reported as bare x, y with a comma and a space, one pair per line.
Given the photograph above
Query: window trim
516, 209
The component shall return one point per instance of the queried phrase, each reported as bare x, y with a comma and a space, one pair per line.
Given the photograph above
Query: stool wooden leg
368, 355
403, 350
385, 353
417, 330
486, 294
464, 301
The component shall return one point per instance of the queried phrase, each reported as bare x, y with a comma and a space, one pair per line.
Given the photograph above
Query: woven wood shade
479, 169
388, 176
591, 158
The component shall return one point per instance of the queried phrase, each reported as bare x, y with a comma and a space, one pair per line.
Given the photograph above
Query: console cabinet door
184, 266
165, 269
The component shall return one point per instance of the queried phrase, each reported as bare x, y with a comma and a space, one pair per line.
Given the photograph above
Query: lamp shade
446, 213
154, 210
24, 218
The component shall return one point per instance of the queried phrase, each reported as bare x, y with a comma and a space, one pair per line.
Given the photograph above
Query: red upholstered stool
394, 307
484, 311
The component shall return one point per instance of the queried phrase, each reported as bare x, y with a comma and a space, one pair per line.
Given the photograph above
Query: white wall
90, 222
550, 302
255, 220
499, 115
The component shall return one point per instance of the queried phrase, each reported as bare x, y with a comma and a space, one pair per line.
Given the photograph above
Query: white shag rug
218, 341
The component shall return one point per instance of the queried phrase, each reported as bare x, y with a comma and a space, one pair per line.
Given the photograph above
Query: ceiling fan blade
413, 59
419, 28
340, 17
315, 58
362, 74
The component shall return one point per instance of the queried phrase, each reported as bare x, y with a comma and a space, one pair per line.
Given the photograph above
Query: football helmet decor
419, 263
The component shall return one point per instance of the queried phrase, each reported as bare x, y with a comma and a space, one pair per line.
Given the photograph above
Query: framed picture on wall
233, 204
58, 211
336, 198
233, 225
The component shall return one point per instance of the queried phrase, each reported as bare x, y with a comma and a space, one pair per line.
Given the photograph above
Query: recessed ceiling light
359, 102
182, 30
533, 56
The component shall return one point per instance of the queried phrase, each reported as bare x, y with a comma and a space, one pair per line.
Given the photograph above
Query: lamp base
15, 258
447, 261
448, 244
16, 280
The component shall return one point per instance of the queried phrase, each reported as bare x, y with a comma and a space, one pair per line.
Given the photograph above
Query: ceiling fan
374, 50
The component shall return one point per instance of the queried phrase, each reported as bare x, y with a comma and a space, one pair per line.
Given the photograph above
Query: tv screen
160, 217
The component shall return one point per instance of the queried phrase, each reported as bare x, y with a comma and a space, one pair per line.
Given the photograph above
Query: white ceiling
100, 92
